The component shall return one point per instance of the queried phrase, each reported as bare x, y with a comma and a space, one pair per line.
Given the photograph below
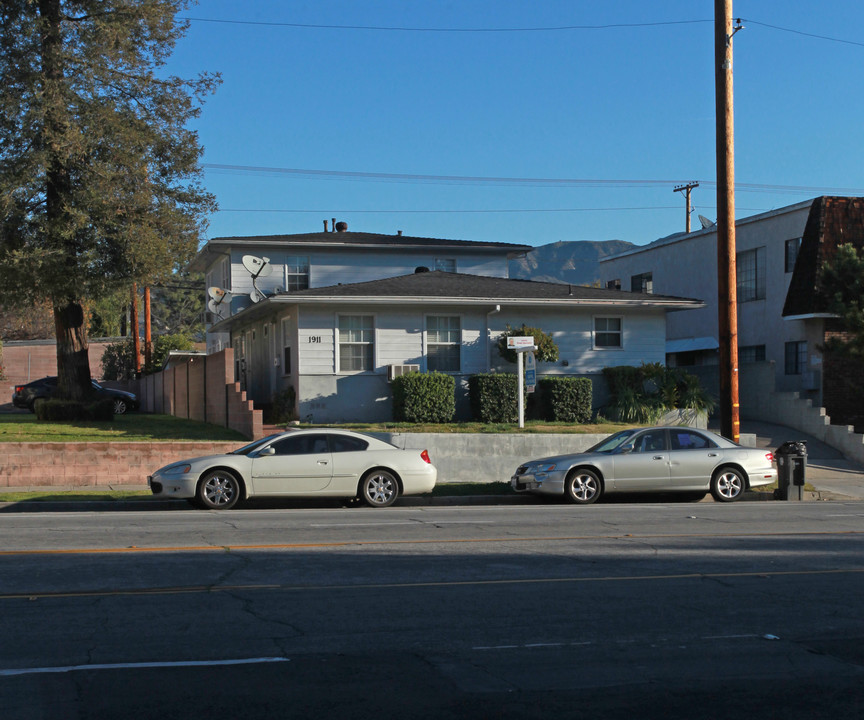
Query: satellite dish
257, 267
218, 295
706, 223
257, 296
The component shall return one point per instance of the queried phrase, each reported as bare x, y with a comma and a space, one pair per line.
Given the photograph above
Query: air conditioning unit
394, 371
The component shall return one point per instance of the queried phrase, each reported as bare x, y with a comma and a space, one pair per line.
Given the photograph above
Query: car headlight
178, 469
545, 468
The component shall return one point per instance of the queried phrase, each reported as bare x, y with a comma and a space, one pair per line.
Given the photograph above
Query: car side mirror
267, 451
627, 449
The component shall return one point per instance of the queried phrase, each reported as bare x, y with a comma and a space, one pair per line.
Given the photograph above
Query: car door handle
322, 462
659, 457
712, 454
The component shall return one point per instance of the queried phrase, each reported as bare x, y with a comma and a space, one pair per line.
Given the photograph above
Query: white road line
127, 666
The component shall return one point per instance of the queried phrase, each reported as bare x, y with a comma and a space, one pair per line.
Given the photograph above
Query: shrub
567, 399
118, 360
494, 397
547, 350
282, 408
642, 394
424, 398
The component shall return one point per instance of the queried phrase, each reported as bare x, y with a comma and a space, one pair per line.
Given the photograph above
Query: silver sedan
300, 463
657, 459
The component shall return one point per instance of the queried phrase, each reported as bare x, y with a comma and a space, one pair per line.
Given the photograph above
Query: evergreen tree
841, 286
99, 173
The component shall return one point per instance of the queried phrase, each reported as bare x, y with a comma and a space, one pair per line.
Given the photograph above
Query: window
792, 248
689, 440
654, 441
751, 275
443, 343
445, 264
642, 283
345, 443
302, 445
796, 357
286, 346
613, 284
239, 359
356, 343
296, 273
751, 353
607, 332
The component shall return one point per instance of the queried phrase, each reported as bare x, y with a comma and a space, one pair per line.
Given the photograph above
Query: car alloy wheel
380, 488
218, 490
119, 406
727, 485
583, 486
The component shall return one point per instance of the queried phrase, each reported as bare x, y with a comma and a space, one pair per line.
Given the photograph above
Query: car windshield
246, 449
612, 443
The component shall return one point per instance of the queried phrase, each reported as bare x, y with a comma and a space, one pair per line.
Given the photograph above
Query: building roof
436, 287
345, 239
833, 221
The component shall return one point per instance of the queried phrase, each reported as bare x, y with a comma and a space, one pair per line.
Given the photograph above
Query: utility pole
686, 189
148, 332
136, 338
727, 291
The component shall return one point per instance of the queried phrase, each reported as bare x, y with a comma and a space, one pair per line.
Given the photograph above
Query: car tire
37, 403
728, 485
583, 486
379, 488
218, 490
120, 406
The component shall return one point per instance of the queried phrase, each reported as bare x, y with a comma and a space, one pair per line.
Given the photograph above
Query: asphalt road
610, 611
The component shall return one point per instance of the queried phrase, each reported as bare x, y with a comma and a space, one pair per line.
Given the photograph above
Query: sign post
522, 345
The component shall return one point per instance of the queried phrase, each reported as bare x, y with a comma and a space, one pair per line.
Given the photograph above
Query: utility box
791, 470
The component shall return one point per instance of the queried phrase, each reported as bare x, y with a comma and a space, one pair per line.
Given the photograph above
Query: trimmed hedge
424, 398
567, 399
71, 411
494, 398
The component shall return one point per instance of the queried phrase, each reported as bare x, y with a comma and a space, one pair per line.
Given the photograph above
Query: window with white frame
750, 269
286, 346
296, 273
443, 343
445, 264
608, 332
356, 343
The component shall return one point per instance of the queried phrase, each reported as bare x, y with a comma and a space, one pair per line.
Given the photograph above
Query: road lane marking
135, 666
429, 541
765, 575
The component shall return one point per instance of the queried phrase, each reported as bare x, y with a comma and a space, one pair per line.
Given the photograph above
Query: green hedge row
429, 397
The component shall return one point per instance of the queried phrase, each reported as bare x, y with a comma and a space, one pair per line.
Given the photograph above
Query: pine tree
99, 173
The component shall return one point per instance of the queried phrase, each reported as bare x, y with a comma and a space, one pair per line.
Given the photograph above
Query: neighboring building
361, 308
779, 254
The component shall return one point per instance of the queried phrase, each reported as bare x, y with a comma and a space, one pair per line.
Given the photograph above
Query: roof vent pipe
340, 226
325, 226
399, 233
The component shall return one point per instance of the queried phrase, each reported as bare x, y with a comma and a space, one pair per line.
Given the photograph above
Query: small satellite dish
257, 267
706, 223
257, 296
218, 295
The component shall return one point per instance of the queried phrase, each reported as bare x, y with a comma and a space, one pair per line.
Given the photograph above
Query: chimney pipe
325, 226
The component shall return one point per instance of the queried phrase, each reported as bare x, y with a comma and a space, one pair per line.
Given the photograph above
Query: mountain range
575, 262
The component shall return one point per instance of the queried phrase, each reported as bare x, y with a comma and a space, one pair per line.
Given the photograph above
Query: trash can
791, 470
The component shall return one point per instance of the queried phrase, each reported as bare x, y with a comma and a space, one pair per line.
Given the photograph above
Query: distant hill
570, 262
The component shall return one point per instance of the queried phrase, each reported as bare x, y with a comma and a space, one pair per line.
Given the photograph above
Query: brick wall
31, 360
95, 464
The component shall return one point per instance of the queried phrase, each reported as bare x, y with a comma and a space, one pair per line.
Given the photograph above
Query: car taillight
425, 456
769, 457
19, 388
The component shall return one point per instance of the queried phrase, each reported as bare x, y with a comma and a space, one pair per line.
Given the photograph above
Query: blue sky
391, 122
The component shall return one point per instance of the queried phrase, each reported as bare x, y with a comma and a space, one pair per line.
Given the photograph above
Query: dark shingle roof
833, 221
462, 286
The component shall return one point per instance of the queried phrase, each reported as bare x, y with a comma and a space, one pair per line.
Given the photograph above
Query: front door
302, 465
646, 467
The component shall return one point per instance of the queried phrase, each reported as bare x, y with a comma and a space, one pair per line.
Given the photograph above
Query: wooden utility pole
686, 189
727, 291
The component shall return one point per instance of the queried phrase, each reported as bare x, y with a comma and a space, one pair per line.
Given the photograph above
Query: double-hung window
296, 273
750, 267
796, 357
356, 343
608, 332
443, 343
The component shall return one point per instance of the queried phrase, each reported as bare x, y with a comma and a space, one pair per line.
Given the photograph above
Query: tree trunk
73, 362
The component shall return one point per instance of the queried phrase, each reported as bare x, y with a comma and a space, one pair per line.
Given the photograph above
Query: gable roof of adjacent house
345, 239
423, 288
833, 221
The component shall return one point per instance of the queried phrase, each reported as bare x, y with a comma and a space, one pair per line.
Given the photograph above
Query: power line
805, 34
554, 28
517, 181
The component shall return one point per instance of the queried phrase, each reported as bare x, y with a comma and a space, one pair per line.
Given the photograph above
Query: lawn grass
132, 427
